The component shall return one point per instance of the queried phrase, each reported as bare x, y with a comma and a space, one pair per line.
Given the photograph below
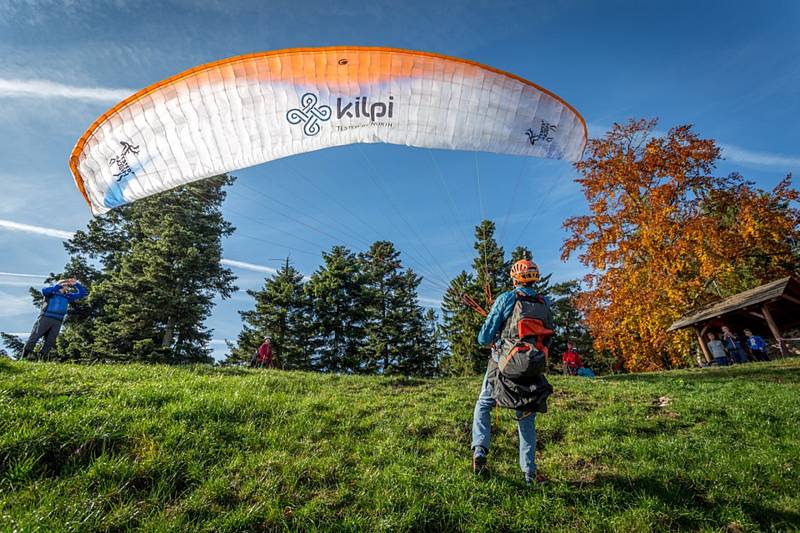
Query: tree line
663, 235
155, 266
357, 313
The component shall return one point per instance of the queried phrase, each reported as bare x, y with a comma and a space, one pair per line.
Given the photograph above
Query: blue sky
729, 68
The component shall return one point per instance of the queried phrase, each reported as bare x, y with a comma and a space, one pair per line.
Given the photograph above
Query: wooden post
703, 345
774, 329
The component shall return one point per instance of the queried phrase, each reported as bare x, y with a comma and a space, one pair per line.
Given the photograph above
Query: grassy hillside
202, 449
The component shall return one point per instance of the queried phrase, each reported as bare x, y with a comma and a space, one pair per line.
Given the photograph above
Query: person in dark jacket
56, 303
733, 346
524, 274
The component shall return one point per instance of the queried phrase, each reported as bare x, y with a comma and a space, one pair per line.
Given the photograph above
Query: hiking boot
479, 461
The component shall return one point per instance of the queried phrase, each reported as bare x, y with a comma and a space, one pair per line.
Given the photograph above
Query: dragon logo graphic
122, 160
543, 135
310, 114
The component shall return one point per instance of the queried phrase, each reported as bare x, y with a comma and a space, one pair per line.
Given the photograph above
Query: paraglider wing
250, 109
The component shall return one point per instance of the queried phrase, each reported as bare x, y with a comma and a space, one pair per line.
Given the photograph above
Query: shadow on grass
763, 372
683, 501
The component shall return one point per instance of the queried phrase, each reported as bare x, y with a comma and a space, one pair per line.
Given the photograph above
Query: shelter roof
764, 293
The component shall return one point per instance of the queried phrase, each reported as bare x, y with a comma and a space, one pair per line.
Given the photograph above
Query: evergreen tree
153, 269
427, 347
416, 354
461, 326
489, 265
394, 321
13, 343
282, 311
382, 281
338, 312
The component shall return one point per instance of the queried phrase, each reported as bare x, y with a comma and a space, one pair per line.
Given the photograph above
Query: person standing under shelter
54, 309
757, 345
733, 345
717, 350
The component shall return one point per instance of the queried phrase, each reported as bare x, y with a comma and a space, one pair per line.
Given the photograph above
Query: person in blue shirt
524, 274
757, 346
54, 309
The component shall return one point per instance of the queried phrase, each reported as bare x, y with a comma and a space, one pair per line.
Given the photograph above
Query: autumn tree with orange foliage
664, 235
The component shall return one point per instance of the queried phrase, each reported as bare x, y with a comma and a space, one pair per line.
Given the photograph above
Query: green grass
160, 448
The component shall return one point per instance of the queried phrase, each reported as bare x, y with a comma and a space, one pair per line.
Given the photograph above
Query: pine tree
394, 320
13, 343
461, 326
415, 355
426, 346
153, 269
282, 311
382, 279
490, 264
338, 312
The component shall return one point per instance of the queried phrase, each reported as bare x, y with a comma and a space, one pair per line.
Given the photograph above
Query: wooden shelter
768, 310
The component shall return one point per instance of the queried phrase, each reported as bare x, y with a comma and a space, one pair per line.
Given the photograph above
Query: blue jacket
57, 303
756, 343
501, 310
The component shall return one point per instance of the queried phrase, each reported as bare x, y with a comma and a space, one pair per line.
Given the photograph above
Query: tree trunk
166, 342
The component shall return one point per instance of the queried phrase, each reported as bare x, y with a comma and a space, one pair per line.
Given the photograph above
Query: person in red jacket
571, 361
264, 359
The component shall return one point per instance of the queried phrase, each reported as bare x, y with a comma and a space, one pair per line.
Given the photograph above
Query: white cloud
15, 275
38, 230
11, 305
49, 89
13, 279
744, 156
249, 266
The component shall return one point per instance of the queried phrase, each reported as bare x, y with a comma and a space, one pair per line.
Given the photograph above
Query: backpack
517, 377
525, 338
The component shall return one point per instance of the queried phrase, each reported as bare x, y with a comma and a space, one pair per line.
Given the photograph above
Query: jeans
482, 428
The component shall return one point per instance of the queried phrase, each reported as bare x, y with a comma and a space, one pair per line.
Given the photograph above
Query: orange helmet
525, 271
